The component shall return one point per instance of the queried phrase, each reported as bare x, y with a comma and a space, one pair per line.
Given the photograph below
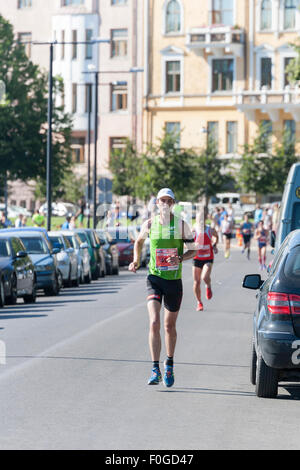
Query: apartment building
217, 67
118, 63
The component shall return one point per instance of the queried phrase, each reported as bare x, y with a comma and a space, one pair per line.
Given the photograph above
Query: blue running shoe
155, 377
169, 376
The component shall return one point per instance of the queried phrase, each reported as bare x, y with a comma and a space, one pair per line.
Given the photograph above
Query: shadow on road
293, 390
208, 391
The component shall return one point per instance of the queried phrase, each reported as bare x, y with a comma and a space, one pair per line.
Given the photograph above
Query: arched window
173, 17
266, 15
290, 7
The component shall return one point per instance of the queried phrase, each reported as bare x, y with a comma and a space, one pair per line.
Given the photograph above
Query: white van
235, 199
289, 218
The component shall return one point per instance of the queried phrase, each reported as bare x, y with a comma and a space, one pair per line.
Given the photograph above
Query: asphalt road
77, 367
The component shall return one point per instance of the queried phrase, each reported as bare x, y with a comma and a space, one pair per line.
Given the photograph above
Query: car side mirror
21, 254
252, 281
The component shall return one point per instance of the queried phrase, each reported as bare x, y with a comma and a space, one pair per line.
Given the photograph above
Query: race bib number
204, 251
162, 254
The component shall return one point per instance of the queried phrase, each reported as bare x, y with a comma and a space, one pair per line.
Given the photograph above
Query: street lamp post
204, 130
50, 114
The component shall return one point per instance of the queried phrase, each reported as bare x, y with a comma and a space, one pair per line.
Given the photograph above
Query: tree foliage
23, 117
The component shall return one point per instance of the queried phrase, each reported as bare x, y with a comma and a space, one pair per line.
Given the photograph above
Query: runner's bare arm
138, 245
188, 238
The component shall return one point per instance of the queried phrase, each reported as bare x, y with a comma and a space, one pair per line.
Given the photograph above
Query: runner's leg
197, 282
154, 329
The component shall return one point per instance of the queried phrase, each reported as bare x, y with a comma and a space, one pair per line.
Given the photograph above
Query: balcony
217, 40
270, 102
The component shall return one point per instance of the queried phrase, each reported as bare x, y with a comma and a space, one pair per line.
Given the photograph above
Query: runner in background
226, 230
246, 230
206, 239
261, 235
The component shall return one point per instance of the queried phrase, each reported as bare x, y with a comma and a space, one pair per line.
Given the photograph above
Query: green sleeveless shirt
165, 240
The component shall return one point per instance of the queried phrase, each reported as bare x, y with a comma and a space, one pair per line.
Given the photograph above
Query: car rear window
5, 249
291, 268
296, 216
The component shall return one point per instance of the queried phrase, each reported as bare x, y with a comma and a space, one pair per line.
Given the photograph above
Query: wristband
180, 257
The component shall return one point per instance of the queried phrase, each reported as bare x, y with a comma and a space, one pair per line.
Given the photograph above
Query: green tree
212, 173
167, 165
284, 157
125, 166
256, 164
23, 117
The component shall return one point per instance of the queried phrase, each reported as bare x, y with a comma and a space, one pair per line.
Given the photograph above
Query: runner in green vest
168, 234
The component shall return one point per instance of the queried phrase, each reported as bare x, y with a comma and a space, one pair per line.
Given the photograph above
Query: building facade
75, 24
218, 67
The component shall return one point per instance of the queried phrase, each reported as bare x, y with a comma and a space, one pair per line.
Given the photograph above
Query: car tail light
295, 304
283, 304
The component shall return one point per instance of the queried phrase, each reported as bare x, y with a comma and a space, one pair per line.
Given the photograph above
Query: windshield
57, 242
82, 237
4, 249
35, 245
71, 240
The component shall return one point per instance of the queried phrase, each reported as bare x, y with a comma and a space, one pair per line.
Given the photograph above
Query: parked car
17, 273
275, 353
97, 258
43, 256
111, 252
124, 237
66, 258
82, 252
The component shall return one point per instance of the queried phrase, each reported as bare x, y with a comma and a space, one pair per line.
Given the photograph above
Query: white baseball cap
165, 192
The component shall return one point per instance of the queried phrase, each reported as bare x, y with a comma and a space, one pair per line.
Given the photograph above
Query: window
77, 147
222, 75
266, 72
88, 47
173, 78
119, 97
74, 46
286, 63
231, 142
266, 126
173, 129
266, 15
119, 38
290, 7
290, 130
117, 144
25, 39
173, 17
24, 3
222, 12
74, 97
88, 98
71, 2
213, 132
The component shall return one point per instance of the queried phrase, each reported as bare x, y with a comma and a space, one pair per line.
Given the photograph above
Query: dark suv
276, 337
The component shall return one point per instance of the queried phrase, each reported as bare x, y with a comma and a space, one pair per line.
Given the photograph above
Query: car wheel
12, 299
266, 379
54, 289
82, 280
115, 271
30, 299
253, 364
2, 294
88, 278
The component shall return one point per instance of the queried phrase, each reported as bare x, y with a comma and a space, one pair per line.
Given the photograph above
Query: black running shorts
171, 291
200, 263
